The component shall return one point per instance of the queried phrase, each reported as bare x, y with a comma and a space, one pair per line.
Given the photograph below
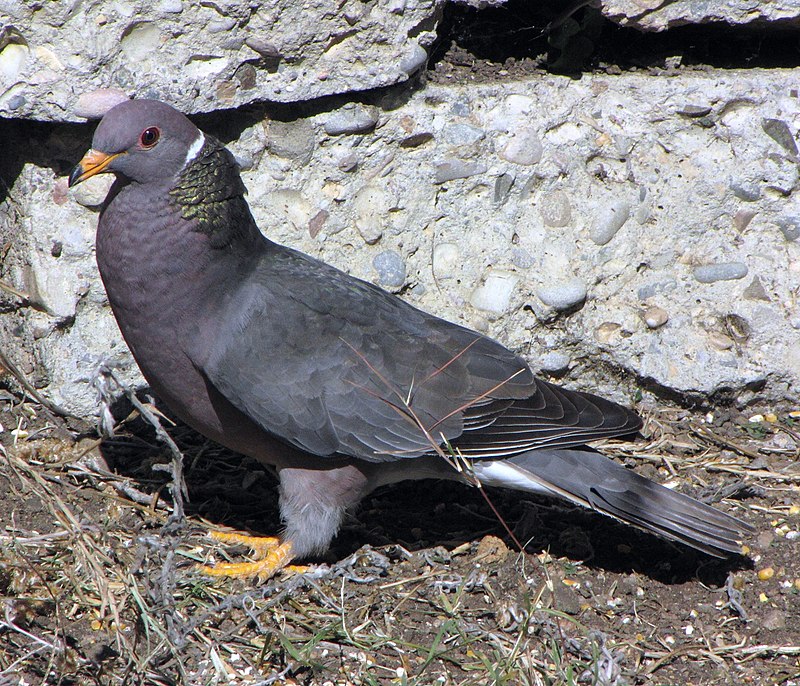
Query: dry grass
98, 581
137, 597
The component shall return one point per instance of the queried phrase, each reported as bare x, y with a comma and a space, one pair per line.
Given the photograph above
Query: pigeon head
142, 141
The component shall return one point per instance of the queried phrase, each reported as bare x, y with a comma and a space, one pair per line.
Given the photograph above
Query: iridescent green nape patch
210, 192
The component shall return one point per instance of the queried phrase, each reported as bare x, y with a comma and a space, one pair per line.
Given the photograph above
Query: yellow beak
93, 162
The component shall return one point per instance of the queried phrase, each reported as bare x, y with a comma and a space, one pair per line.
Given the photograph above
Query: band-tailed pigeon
339, 385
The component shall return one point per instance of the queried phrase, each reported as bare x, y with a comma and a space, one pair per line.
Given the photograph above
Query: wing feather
332, 364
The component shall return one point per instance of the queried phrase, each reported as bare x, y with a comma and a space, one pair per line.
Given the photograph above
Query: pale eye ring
150, 137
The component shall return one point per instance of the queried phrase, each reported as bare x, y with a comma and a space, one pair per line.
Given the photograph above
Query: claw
261, 545
272, 555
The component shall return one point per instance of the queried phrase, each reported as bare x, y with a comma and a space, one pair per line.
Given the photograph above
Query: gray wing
332, 364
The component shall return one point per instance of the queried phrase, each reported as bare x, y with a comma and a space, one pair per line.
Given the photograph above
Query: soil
99, 578
425, 585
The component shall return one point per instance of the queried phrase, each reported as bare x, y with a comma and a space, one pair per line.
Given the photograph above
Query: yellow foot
261, 545
272, 556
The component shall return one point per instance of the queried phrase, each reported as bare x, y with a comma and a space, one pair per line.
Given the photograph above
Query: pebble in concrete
744, 190
462, 134
12, 58
742, 219
317, 222
95, 104
522, 258
348, 163
555, 209
719, 341
756, 291
524, 148
779, 131
140, 41
171, 6
655, 317
457, 169
554, 362
371, 205
293, 206
721, 271
659, 287
414, 60
446, 260
610, 220
291, 139
351, 119
607, 332
790, 228
494, 294
416, 139
391, 269
694, 111
502, 187
564, 295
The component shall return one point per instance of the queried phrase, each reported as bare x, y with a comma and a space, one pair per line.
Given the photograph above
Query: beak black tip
74, 175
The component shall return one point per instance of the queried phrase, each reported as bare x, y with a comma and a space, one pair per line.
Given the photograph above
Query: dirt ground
99, 580
98, 565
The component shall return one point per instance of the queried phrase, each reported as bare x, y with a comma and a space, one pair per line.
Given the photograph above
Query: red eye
150, 137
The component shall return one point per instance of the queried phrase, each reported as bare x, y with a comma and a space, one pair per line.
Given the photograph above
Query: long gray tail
592, 480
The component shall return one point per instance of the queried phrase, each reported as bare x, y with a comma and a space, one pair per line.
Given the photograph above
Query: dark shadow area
228, 125
234, 491
425, 514
51, 146
59, 146
698, 401
541, 35
519, 36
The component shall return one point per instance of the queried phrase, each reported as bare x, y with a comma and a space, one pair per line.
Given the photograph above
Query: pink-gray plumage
339, 385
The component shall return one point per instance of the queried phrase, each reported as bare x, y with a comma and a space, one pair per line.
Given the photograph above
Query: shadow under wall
552, 39
55, 146
59, 146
